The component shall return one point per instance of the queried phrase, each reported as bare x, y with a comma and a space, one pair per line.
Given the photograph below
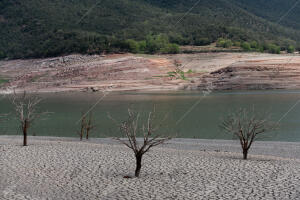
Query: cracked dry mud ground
73, 170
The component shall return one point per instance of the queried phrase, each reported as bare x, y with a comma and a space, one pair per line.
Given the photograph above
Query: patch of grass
3, 81
172, 74
178, 74
190, 71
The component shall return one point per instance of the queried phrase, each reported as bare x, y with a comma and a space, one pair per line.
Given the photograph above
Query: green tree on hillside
171, 49
160, 44
272, 48
133, 46
2, 55
291, 49
202, 41
254, 45
246, 46
225, 43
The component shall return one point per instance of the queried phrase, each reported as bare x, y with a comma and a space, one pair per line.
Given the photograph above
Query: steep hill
32, 28
286, 13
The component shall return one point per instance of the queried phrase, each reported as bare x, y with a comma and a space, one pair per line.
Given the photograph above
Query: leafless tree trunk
138, 164
131, 129
89, 125
26, 111
3, 117
82, 127
247, 125
86, 125
25, 128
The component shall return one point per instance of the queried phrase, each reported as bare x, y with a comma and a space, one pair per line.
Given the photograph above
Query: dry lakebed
64, 168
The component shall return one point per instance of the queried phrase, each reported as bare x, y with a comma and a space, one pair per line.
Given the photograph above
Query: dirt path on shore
118, 72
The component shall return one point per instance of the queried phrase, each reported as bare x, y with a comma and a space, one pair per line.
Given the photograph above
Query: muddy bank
119, 72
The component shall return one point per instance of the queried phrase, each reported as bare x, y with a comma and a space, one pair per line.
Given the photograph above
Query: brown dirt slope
219, 71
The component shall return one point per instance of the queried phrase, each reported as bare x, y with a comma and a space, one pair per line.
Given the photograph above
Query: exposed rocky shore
203, 71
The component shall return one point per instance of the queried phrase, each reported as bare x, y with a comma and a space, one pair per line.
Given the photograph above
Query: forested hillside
286, 13
41, 28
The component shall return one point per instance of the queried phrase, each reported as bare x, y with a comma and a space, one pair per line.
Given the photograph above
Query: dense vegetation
31, 28
255, 46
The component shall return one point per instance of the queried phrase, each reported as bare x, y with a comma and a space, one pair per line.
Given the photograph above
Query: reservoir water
206, 112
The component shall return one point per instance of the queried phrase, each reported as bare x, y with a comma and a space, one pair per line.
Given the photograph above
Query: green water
202, 122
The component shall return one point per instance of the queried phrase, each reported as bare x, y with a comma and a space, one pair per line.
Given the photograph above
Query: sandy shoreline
63, 168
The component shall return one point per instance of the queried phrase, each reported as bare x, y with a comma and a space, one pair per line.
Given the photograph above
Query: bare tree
25, 106
3, 117
247, 126
131, 129
82, 126
89, 125
86, 125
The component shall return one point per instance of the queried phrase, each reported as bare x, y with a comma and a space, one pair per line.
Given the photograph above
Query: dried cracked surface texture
66, 169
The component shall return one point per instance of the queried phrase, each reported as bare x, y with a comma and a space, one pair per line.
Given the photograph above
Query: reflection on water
202, 122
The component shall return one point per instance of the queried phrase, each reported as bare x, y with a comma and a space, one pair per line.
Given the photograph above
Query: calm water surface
202, 122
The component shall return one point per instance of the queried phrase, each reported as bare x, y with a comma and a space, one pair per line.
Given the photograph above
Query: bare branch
132, 129
26, 111
246, 125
